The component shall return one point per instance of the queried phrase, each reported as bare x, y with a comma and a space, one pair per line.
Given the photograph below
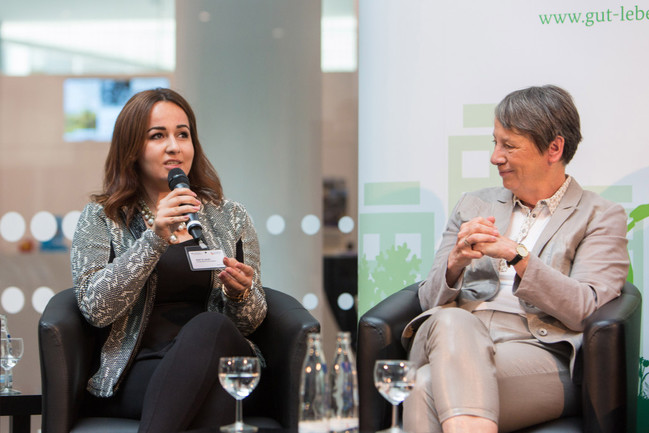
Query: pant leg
498, 371
534, 382
419, 412
127, 400
186, 379
458, 352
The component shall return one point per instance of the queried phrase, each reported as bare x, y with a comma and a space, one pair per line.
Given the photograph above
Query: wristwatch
521, 253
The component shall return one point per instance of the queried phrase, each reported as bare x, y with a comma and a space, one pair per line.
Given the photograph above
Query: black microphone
178, 179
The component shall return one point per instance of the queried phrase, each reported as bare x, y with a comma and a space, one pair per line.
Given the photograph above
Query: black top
181, 295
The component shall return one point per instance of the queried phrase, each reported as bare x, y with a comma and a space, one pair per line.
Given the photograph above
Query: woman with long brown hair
168, 319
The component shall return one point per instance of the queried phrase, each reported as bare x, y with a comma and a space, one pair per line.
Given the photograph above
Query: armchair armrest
282, 340
611, 351
66, 342
379, 337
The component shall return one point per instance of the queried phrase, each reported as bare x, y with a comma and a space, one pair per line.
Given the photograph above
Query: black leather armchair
67, 345
608, 361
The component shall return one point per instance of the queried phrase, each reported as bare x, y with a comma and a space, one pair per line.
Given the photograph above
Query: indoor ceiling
41, 10
37, 10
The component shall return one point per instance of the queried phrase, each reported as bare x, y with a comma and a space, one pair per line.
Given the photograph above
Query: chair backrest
379, 337
282, 340
611, 352
65, 348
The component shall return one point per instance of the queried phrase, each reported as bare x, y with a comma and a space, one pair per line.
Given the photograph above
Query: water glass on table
11, 350
394, 379
239, 375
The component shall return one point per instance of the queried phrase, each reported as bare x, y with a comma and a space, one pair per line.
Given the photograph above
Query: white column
251, 70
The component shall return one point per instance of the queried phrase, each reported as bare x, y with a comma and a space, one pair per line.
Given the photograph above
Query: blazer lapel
566, 207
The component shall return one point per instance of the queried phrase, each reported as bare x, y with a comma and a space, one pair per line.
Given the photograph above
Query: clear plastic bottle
6, 377
313, 389
343, 386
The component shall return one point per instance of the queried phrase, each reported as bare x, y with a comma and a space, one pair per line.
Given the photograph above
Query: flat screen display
91, 105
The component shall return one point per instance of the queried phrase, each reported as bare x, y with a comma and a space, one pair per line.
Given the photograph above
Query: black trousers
181, 390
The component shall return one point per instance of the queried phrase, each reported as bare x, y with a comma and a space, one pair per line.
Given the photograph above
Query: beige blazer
578, 264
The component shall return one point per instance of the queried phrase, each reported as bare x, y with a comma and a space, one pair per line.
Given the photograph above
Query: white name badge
204, 260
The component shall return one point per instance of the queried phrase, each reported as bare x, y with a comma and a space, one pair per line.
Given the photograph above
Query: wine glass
239, 375
394, 379
11, 350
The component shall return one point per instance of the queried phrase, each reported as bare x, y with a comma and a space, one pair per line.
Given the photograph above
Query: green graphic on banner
391, 193
643, 396
478, 115
396, 249
616, 193
636, 246
469, 168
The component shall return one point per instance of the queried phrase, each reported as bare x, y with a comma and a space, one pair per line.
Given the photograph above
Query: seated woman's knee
451, 320
210, 323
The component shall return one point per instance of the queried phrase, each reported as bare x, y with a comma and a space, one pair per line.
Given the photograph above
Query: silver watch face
520, 249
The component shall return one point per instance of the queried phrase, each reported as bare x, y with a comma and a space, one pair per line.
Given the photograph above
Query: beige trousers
486, 364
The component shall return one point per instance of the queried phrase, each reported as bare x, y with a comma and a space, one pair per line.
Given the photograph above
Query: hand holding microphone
178, 179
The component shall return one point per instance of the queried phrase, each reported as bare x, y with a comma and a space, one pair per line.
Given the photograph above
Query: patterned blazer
578, 264
115, 279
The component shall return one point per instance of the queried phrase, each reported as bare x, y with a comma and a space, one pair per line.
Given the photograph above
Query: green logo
396, 249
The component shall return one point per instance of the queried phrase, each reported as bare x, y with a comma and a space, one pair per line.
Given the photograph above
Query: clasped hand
476, 238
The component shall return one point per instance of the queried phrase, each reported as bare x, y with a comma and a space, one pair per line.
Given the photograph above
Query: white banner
430, 74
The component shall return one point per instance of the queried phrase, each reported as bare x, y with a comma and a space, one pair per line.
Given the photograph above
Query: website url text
591, 18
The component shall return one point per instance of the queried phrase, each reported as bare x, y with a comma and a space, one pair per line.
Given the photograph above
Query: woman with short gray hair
519, 269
